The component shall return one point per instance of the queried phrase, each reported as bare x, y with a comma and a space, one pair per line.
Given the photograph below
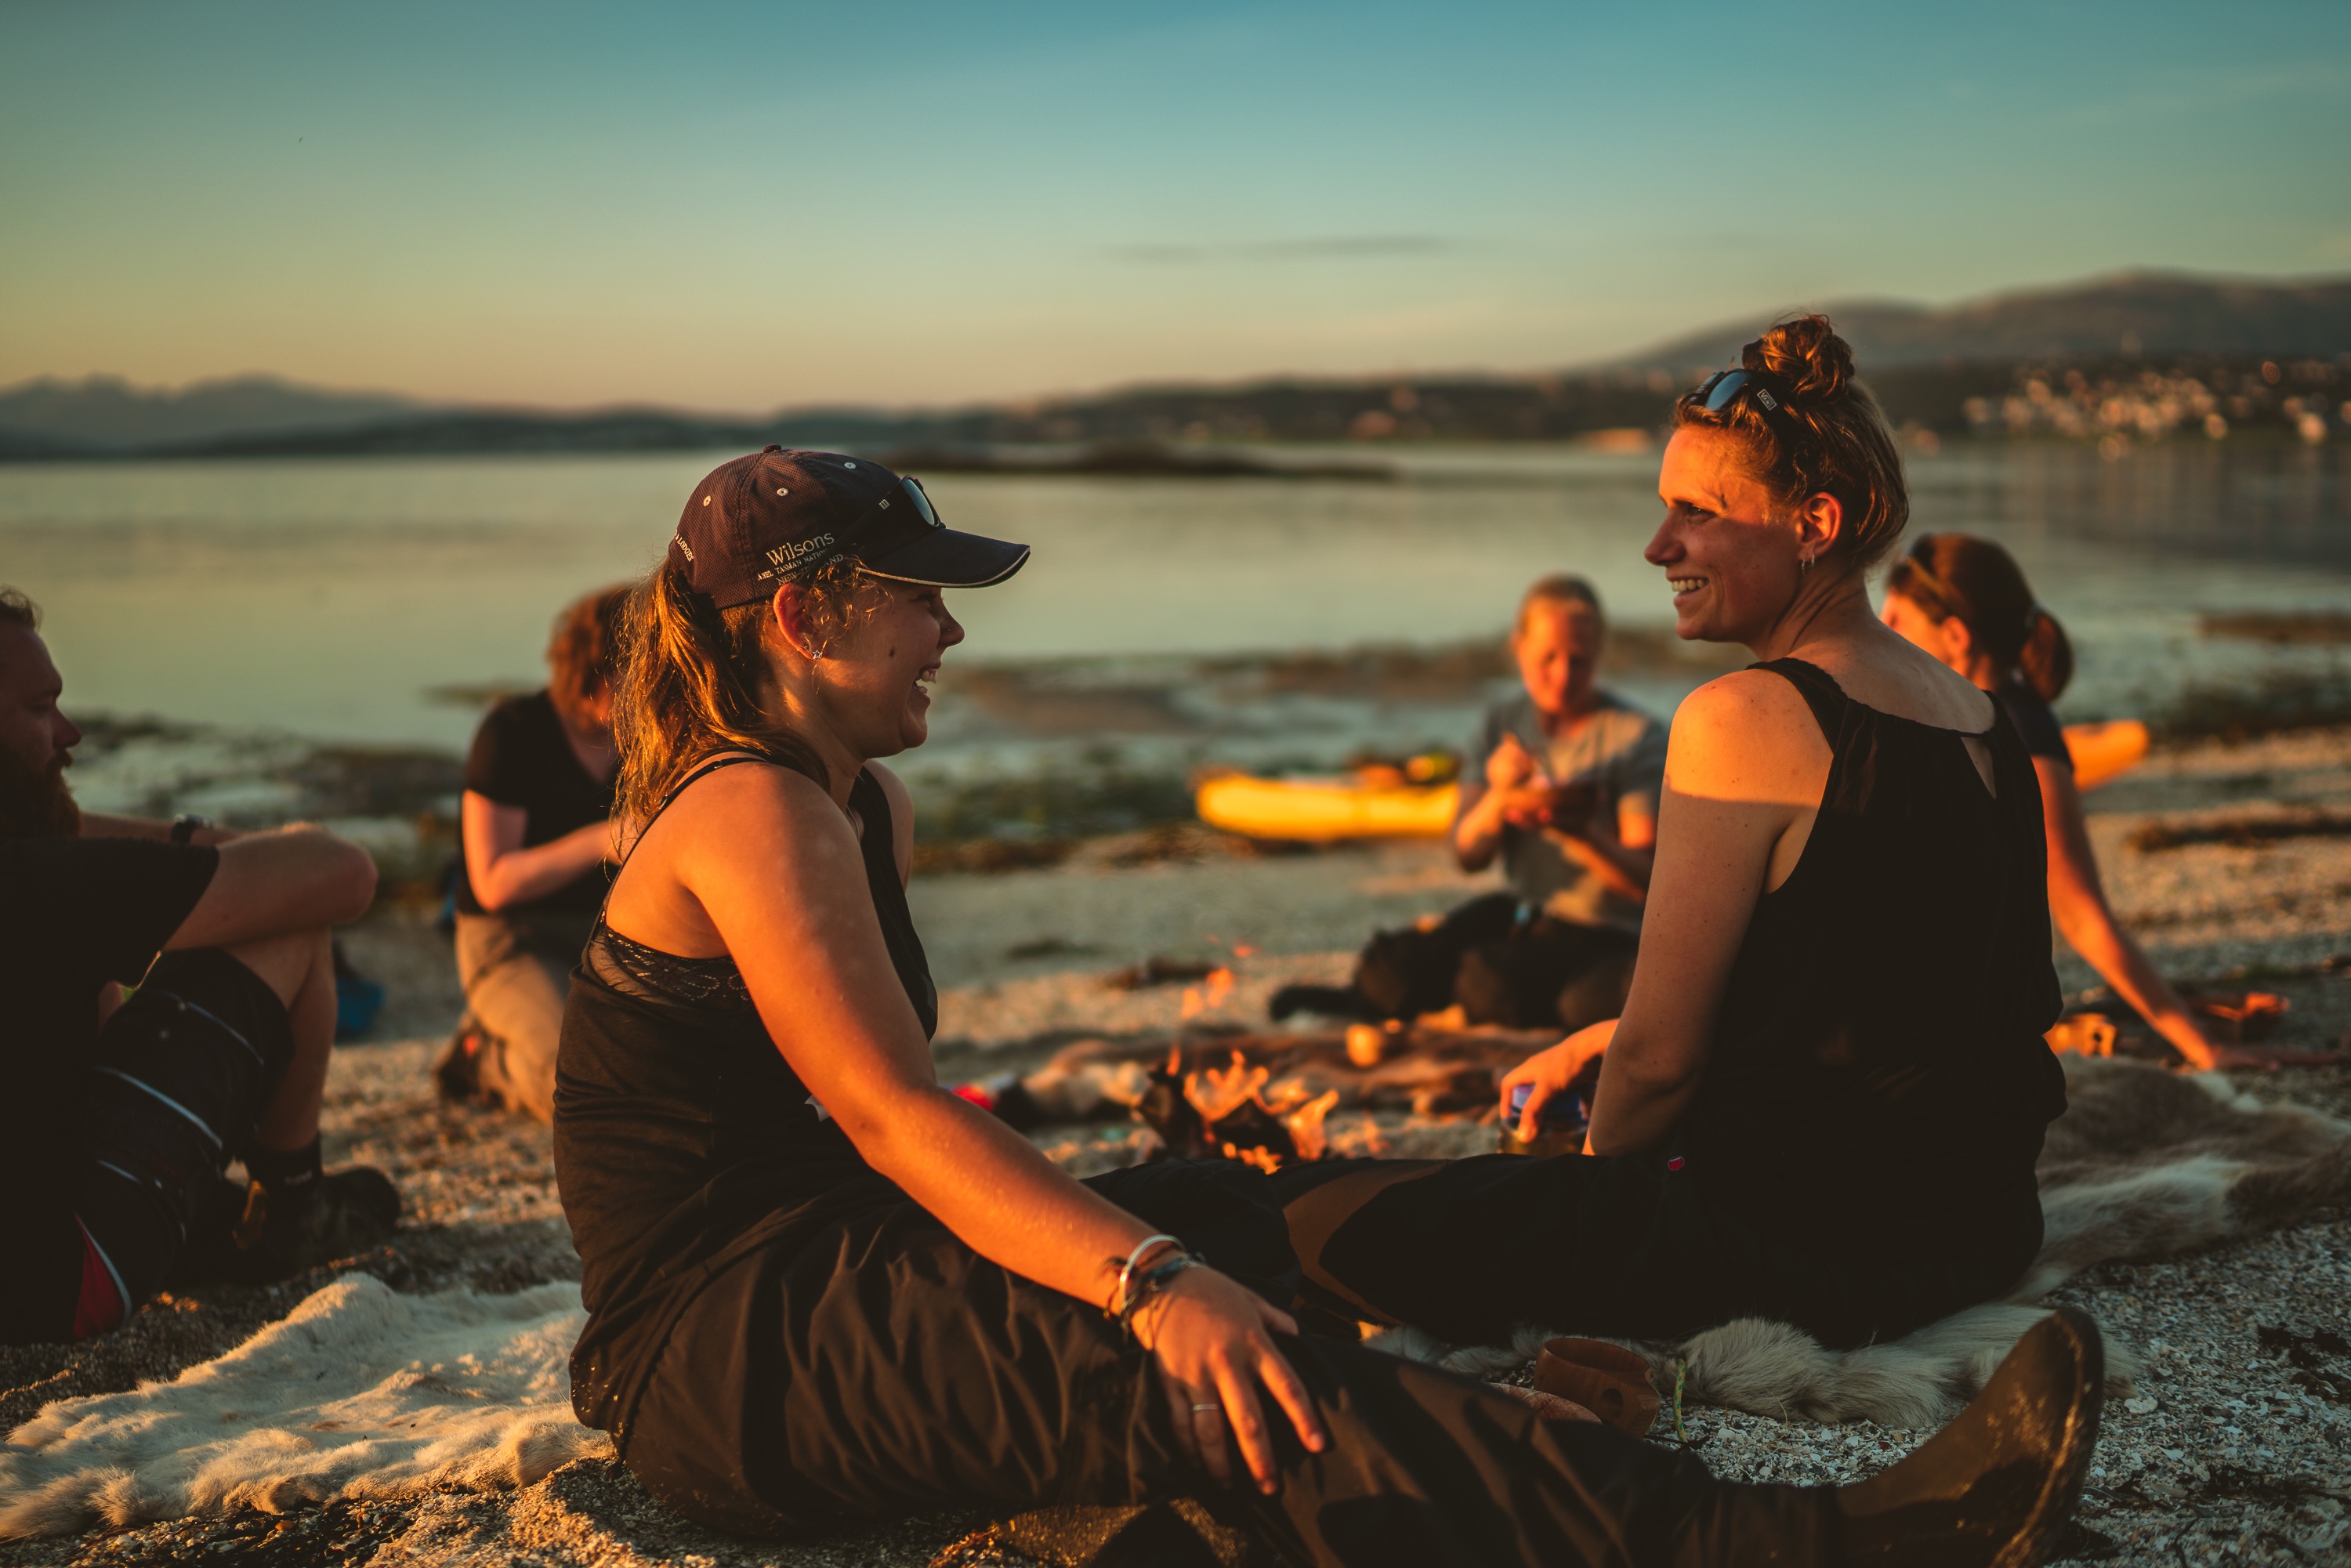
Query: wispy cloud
1332, 246
2183, 90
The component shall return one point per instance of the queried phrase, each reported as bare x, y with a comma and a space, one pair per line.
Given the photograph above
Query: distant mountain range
1925, 363
108, 411
2151, 314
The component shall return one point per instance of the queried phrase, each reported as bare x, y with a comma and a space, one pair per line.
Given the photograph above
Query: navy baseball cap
779, 517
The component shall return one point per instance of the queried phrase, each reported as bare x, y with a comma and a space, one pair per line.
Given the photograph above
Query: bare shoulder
1740, 708
755, 806
1748, 735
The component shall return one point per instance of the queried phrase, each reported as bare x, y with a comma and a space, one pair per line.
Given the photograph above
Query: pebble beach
2233, 863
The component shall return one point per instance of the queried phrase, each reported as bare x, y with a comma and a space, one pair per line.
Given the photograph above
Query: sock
284, 1172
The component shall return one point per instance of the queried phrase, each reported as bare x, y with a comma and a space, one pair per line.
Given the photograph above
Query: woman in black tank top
1966, 602
1825, 1099
822, 1289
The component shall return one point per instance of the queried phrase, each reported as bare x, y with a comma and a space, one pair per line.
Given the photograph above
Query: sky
743, 207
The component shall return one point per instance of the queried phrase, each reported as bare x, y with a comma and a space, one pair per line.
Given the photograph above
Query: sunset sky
742, 207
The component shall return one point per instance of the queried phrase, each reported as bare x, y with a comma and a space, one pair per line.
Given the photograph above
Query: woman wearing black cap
821, 1287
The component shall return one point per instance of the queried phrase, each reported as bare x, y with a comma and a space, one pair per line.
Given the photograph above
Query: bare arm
1743, 779
1624, 859
502, 873
2077, 902
774, 868
1477, 827
295, 879
1512, 788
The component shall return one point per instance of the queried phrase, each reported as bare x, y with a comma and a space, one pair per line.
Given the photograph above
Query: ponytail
694, 680
1975, 580
2046, 659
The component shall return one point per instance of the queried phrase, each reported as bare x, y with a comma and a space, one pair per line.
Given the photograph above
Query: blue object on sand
1562, 1113
357, 1002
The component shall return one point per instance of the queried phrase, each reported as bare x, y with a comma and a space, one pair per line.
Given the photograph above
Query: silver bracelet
1118, 1300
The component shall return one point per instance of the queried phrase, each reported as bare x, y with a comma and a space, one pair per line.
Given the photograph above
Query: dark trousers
883, 1367
1471, 1250
1499, 963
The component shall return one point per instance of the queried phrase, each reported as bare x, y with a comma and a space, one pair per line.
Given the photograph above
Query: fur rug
359, 1393
2144, 1163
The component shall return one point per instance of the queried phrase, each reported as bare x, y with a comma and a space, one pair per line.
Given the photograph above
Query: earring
1804, 564
816, 654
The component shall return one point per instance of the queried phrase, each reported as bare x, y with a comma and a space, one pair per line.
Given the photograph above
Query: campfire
1266, 1100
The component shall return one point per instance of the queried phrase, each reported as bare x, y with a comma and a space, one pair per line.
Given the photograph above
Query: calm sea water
328, 598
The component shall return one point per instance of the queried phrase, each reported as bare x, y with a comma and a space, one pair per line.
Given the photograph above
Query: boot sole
2036, 1539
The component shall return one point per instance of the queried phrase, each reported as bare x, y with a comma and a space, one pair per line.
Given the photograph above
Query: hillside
2137, 313
100, 412
2252, 352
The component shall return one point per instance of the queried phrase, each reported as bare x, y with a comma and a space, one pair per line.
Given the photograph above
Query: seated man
120, 1118
1563, 785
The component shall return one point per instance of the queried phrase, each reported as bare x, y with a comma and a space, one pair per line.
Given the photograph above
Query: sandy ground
2236, 1447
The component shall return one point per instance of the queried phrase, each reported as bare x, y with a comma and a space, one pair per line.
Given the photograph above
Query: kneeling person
121, 1117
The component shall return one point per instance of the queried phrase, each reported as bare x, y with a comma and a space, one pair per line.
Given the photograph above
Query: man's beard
37, 803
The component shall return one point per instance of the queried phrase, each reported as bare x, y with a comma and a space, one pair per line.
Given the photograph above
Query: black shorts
180, 1077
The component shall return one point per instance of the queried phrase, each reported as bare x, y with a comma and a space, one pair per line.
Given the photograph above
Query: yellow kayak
1318, 811
1322, 811
2102, 752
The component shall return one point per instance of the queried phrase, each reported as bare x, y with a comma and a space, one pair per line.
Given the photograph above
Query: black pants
1499, 963
883, 1367
1470, 1249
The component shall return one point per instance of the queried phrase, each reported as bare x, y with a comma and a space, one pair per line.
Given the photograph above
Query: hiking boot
1995, 1488
210, 1252
289, 1230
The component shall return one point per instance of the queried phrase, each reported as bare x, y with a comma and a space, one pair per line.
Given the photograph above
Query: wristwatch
185, 826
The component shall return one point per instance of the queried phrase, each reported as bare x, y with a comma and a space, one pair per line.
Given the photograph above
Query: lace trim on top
708, 985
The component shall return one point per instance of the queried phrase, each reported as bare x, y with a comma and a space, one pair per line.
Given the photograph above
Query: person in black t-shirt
118, 1118
535, 828
1965, 601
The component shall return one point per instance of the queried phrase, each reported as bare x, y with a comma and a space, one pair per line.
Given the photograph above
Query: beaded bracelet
1151, 1285
1126, 1270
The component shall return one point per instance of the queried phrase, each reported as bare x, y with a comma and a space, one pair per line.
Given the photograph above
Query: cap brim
942, 558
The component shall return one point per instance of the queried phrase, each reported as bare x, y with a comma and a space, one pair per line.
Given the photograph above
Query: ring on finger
1196, 1410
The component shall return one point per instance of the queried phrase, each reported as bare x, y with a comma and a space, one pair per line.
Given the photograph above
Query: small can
1560, 1130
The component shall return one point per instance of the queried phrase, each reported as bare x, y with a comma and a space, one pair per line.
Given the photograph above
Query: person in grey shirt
1568, 797
1564, 786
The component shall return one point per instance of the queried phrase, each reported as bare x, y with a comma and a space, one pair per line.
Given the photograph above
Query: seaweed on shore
1058, 803
2242, 833
2280, 701
2292, 626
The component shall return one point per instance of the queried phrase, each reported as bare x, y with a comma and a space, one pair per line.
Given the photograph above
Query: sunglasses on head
1761, 391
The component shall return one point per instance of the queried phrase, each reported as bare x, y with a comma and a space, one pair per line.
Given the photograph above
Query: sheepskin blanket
359, 1393
2144, 1163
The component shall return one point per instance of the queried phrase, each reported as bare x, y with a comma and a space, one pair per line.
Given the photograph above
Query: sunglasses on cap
1762, 390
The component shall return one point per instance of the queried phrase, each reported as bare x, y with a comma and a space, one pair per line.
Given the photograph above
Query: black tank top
683, 1138
1879, 1073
